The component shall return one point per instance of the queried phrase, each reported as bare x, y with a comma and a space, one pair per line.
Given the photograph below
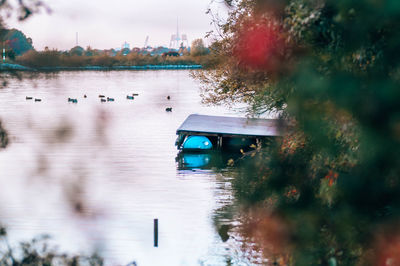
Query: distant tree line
55, 58
19, 50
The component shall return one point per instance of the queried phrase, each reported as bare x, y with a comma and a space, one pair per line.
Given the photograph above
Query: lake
94, 175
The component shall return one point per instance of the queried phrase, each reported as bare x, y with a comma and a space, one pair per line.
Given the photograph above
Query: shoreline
16, 67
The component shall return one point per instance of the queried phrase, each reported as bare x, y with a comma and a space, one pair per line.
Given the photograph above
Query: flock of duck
103, 98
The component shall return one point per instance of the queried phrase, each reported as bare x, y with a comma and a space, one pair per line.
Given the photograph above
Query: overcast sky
108, 23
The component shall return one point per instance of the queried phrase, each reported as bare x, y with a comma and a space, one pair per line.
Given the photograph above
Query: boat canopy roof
222, 125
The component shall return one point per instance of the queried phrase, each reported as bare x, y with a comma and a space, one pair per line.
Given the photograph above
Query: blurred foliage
38, 252
331, 69
3, 137
23, 9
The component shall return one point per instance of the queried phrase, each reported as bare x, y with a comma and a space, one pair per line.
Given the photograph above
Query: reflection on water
94, 175
194, 160
215, 160
203, 160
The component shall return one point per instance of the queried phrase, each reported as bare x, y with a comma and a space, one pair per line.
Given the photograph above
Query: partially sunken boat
204, 132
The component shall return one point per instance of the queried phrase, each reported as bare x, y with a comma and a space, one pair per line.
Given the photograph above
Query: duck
38, 100
110, 99
101, 96
168, 109
130, 97
135, 94
28, 98
103, 100
168, 97
84, 96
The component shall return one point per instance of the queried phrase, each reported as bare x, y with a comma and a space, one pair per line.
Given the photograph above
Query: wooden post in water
219, 142
156, 232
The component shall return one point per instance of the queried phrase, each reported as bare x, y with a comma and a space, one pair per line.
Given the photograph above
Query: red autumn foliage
292, 142
259, 46
292, 193
332, 177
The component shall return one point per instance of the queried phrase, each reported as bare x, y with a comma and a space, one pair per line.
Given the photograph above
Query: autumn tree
198, 48
331, 69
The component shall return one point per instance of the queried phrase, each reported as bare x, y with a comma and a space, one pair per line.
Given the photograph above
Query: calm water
94, 175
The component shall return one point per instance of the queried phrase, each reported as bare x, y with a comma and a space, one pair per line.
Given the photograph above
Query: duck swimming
72, 100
